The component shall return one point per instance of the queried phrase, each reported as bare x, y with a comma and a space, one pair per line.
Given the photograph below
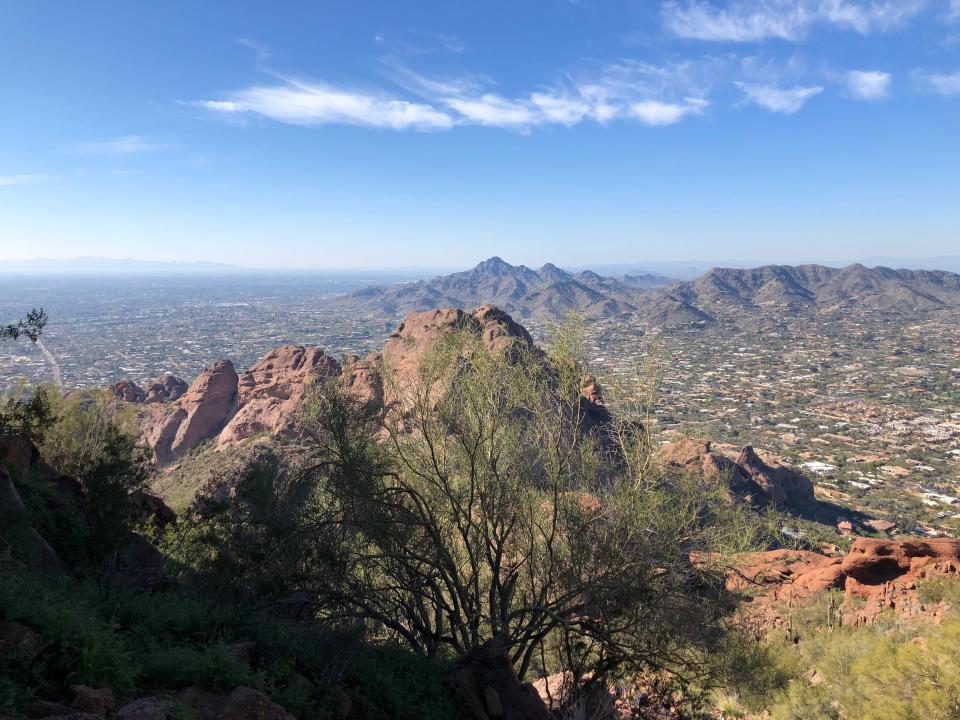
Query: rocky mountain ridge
222, 408
226, 408
517, 289
720, 293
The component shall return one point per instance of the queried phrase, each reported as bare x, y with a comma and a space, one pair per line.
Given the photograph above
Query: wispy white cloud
261, 52
868, 84
755, 20
654, 112
650, 94
946, 84
954, 10
786, 100
309, 103
126, 145
7, 180
494, 111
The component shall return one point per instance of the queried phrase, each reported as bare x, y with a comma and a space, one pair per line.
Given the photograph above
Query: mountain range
517, 289
550, 292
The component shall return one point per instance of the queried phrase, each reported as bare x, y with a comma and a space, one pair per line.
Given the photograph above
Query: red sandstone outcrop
272, 391
266, 399
873, 563
129, 391
749, 476
165, 388
173, 429
879, 574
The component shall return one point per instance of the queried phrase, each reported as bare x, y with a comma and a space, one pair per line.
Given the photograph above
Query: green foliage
28, 414
31, 326
891, 670
180, 666
73, 644
390, 681
87, 436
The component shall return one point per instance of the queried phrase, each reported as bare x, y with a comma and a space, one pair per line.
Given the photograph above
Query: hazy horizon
680, 269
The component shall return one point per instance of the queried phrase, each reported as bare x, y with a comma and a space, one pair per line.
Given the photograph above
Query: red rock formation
879, 574
779, 482
164, 388
873, 563
272, 391
172, 429
129, 391
748, 477
268, 396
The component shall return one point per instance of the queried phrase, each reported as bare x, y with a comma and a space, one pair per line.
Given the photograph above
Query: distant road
54, 365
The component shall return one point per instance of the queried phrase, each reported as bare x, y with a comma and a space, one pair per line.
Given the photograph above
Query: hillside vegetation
487, 539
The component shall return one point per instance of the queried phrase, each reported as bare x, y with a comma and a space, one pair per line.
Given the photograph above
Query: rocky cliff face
748, 477
173, 429
226, 408
272, 390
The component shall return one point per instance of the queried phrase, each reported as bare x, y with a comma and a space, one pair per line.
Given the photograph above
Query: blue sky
371, 134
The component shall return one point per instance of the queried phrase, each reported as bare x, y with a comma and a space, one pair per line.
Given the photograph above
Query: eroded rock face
273, 389
872, 563
129, 391
749, 477
173, 429
165, 388
876, 575
266, 399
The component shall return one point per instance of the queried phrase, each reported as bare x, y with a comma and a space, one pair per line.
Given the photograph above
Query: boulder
242, 704
164, 388
148, 708
153, 509
98, 701
486, 682
18, 454
14, 637
129, 391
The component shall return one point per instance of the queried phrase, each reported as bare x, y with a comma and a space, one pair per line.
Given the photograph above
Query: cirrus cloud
309, 103
867, 84
654, 95
756, 20
785, 100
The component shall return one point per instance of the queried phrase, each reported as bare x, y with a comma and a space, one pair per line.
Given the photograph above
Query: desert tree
484, 503
31, 326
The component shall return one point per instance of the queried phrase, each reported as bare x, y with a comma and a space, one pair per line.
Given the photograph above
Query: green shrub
211, 667
391, 681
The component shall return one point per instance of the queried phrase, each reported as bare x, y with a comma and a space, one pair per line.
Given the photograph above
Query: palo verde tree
484, 504
31, 326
